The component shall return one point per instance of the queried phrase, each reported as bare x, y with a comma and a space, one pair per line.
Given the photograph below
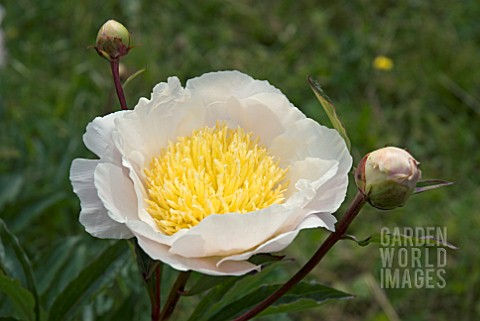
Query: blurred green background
429, 103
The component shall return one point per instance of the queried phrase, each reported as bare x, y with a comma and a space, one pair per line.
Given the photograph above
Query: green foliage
15, 269
329, 110
301, 297
52, 86
21, 299
89, 282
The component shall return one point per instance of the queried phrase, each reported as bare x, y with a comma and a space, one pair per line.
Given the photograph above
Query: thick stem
114, 65
174, 295
340, 230
153, 284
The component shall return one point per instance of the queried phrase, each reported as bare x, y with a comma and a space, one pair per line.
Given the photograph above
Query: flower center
214, 171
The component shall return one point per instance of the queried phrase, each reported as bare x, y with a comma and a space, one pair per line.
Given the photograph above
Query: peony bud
113, 40
387, 177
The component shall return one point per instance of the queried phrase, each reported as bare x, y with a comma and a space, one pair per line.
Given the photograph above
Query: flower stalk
333, 238
153, 286
114, 66
174, 295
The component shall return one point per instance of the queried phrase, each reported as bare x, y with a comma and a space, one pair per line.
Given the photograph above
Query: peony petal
172, 90
221, 85
115, 189
148, 130
227, 234
281, 241
251, 116
98, 137
331, 195
93, 214
306, 138
309, 175
144, 229
207, 265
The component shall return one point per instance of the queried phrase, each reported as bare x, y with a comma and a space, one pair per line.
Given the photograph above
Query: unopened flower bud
387, 177
113, 40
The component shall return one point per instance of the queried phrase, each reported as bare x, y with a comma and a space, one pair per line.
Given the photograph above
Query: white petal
166, 92
306, 138
148, 130
308, 175
135, 173
140, 228
281, 241
116, 191
93, 215
330, 196
98, 137
227, 234
265, 121
221, 85
208, 265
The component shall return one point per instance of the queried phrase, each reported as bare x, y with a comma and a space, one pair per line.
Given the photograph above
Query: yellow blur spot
214, 171
383, 63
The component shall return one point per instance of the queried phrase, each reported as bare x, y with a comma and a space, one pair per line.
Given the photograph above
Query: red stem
114, 65
154, 293
175, 294
340, 230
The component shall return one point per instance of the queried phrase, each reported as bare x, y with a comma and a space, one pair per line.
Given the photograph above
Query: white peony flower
208, 175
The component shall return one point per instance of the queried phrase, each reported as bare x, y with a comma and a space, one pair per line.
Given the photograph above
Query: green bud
387, 177
113, 40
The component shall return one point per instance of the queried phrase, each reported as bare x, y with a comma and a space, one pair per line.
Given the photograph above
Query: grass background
52, 86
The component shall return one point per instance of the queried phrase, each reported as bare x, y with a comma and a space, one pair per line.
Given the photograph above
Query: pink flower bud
387, 177
113, 40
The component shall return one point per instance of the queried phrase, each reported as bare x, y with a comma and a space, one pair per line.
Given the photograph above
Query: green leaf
15, 263
429, 184
231, 288
301, 296
265, 259
203, 282
89, 282
329, 108
22, 300
32, 212
10, 187
48, 272
214, 296
396, 239
137, 73
145, 263
305, 296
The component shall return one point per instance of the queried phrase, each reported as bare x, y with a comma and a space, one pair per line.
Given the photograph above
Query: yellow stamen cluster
214, 171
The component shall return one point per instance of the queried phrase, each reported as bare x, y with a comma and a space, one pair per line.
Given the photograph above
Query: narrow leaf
429, 184
231, 288
214, 296
294, 300
129, 79
329, 108
21, 299
10, 187
305, 296
89, 282
15, 263
203, 282
48, 272
396, 239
